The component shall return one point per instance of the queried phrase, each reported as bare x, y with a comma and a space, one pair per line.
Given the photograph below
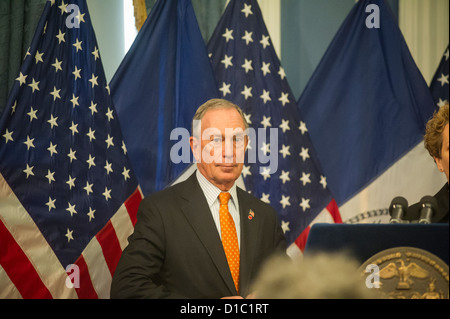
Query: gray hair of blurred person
317, 276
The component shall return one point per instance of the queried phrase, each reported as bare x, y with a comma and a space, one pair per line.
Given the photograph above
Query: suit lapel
249, 241
199, 217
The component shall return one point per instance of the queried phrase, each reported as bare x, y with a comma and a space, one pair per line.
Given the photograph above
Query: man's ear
195, 147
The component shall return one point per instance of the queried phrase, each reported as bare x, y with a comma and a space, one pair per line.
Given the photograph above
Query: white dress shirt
212, 197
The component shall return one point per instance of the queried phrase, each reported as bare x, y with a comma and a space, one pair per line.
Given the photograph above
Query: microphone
397, 210
428, 209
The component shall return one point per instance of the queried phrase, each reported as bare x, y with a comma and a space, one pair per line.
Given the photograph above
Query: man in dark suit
182, 245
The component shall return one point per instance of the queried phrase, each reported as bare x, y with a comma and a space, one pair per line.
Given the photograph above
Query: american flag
68, 195
249, 73
439, 84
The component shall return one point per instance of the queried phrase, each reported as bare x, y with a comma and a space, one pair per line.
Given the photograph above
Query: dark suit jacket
441, 216
176, 252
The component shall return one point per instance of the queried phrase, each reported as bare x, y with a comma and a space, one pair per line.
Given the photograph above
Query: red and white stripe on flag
329, 215
30, 269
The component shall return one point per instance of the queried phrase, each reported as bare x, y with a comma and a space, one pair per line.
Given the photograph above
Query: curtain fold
18, 20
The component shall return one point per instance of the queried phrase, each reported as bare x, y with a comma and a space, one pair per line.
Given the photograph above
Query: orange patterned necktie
229, 238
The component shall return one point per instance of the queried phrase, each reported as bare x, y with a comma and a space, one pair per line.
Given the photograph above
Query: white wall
424, 24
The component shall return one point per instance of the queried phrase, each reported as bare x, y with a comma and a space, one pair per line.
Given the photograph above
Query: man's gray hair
211, 105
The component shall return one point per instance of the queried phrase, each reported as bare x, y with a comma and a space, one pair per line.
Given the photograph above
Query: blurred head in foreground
320, 276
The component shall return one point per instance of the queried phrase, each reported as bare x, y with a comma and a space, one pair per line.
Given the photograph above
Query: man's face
220, 153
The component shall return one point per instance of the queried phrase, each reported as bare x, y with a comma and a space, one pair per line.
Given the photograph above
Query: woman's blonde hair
434, 131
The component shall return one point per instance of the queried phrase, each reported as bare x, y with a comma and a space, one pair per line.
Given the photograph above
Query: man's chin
229, 171
231, 168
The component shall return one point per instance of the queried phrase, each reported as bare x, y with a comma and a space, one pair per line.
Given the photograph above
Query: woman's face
442, 163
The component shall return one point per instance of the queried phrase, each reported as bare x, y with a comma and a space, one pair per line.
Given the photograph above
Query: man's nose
228, 149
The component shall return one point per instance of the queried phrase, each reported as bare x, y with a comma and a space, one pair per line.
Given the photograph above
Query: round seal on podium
407, 273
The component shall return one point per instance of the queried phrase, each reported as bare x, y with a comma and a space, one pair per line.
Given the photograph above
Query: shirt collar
212, 192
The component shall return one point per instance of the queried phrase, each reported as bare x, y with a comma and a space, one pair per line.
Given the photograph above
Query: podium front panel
365, 240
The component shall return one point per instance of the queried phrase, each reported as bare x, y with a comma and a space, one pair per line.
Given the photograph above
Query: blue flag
68, 196
366, 104
163, 79
439, 84
249, 73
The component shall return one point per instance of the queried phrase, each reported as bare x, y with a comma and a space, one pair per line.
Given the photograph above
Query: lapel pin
251, 214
